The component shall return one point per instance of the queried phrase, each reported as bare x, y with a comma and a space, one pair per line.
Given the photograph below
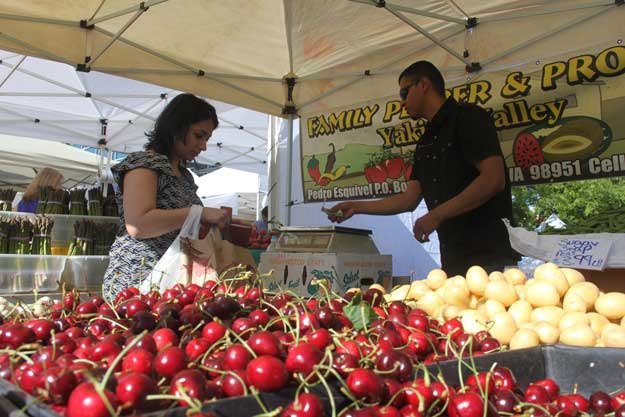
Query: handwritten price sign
581, 253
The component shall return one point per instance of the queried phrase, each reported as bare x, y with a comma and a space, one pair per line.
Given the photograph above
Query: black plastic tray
17, 400
574, 368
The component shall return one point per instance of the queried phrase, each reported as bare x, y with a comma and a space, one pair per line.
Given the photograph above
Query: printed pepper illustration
313, 169
328, 174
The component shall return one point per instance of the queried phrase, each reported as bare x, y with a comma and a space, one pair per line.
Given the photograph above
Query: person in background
47, 177
262, 224
459, 169
155, 192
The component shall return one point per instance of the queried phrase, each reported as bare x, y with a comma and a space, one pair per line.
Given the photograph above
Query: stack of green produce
77, 202
6, 199
610, 221
19, 236
4, 235
110, 204
41, 236
85, 233
51, 201
104, 238
95, 201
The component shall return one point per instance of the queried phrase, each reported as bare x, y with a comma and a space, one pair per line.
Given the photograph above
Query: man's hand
426, 225
341, 212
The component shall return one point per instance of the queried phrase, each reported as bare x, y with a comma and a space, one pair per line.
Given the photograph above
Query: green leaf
359, 312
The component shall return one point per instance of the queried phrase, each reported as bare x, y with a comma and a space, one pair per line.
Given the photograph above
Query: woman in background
47, 177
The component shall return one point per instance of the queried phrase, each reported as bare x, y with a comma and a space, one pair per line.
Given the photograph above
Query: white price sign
581, 253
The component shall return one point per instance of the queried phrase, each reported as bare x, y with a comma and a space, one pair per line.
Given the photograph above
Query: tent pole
544, 10
15, 67
289, 173
143, 6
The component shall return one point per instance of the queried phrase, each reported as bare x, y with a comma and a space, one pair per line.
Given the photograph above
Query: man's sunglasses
403, 92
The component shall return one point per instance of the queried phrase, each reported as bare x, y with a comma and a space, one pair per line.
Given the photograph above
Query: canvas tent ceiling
336, 52
50, 100
21, 158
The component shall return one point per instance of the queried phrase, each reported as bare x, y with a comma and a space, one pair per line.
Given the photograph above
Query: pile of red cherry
193, 344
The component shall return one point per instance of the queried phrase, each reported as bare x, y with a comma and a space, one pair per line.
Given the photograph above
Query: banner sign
561, 122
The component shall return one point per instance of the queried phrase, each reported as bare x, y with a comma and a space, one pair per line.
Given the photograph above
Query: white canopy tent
50, 100
289, 57
21, 159
244, 191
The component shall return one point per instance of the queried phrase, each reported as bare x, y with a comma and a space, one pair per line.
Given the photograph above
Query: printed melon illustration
527, 151
578, 138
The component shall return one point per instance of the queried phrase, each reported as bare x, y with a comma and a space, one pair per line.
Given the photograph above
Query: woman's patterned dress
131, 260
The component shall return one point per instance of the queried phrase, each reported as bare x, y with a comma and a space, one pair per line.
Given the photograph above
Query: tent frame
289, 109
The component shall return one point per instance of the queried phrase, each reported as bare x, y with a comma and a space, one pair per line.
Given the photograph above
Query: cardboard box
296, 271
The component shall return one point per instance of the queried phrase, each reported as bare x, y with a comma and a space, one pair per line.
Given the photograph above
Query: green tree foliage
571, 201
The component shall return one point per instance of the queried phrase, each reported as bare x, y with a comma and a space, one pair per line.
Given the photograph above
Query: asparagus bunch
4, 235
6, 198
43, 198
95, 201
77, 202
104, 238
110, 204
51, 201
41, 236
20, 234
65, 202
85, 233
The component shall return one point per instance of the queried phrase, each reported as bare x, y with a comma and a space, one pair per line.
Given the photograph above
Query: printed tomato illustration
394, 167
407, 170
375, 173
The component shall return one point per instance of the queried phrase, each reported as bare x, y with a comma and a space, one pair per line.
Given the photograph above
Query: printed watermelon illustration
527, 151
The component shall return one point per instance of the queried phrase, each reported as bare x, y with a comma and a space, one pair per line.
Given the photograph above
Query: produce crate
585, 369
28, 406
23, 273
85, 273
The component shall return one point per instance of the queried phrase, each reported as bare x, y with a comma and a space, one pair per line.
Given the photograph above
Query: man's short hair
265, 211
426, 69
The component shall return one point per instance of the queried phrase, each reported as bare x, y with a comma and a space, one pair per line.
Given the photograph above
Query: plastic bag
172, 268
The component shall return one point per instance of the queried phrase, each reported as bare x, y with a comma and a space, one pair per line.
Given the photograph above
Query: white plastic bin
24, 273
85, 272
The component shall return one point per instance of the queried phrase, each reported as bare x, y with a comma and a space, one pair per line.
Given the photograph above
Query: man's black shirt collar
448, 107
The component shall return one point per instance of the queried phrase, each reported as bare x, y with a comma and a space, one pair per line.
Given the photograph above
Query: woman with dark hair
155, 192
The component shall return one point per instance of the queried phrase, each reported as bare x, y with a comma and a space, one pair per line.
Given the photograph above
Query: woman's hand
215, 216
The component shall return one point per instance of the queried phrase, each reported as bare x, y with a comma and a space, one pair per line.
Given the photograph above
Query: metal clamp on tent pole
84, 25
471, 22
380, 3
473, 67
290, 107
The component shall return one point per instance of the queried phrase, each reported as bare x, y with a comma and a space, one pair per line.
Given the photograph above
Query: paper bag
214, 251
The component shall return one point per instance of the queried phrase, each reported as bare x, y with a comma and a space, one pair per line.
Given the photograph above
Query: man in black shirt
459, 169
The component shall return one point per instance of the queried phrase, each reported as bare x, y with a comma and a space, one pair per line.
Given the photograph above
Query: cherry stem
243, 342
17, 353
120, 356
114, 322
220, 372
324, 382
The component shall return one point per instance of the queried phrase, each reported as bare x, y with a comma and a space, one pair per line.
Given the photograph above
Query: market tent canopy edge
50, 100
300, 56
21, 158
